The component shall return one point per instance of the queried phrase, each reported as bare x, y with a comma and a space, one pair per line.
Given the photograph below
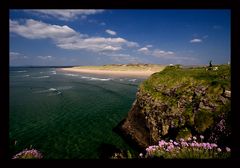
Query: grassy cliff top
173, 76
126, 67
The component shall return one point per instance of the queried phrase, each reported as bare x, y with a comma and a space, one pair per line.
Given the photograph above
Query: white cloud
156, 52
105, 40
122, 58
38, 30
96, 22
48, 57
168, 56
132, 44
144, 50
66, 14
111, 48
67, 38
96, 44
185, 60
117, 55
16, 56
111, 32
125, 59
195, 40
162, 53
14, 53
149, 46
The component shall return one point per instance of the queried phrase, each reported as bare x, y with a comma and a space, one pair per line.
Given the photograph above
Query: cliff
180, 102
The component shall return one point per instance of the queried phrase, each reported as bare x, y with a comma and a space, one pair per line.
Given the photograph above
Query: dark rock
106, 151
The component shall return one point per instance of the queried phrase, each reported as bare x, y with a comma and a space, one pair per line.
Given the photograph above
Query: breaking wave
21, 71
132, 80
39, 77
71, 74
54, 90
98, 79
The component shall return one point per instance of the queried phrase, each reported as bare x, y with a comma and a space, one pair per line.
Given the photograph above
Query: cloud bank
66, 14
67, 38
156, 52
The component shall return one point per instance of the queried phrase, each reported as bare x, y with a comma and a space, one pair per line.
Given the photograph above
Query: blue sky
97, 37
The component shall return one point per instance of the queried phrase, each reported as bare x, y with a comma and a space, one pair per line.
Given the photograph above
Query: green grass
172, 76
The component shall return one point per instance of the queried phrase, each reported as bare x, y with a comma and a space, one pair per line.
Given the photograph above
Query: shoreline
131, 73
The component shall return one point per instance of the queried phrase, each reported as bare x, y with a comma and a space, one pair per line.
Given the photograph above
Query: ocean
67, 115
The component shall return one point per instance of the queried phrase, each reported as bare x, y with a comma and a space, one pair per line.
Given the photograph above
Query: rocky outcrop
178, 110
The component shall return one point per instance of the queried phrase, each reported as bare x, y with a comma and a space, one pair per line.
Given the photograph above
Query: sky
99, 37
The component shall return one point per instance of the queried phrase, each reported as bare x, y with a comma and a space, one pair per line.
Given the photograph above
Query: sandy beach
135, 73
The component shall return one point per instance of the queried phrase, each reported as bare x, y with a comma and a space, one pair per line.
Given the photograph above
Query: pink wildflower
228, 149
213, 145
175, 143
170, 147
181, 139
161, 143
28, 154
192, 144
184, 144
201, 137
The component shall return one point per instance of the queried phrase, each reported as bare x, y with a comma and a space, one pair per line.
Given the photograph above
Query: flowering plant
190, 149
28, 154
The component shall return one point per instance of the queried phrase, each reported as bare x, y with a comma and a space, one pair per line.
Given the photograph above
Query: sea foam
99, 79
21, 71
64, 87
39, 77
132, 80
52, 89
71, 74
56, 90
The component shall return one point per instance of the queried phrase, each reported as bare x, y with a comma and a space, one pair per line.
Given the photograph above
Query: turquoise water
67, 115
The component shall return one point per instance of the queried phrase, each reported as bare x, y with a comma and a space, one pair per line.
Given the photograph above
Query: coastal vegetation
178, 103
186, 149
192, 148
28, 154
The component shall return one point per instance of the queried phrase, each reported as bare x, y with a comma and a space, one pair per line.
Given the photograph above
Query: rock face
170, 106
